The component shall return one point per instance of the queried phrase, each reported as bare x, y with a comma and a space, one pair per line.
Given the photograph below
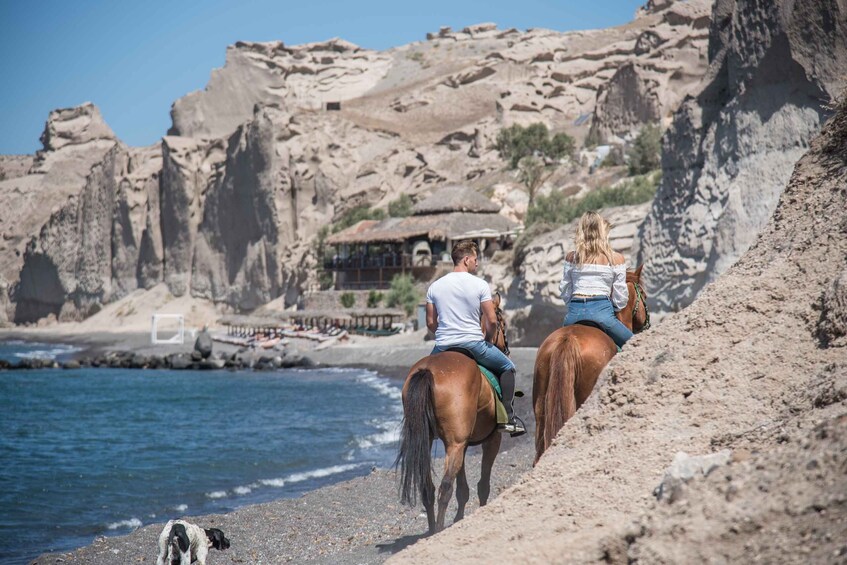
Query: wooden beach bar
372, 252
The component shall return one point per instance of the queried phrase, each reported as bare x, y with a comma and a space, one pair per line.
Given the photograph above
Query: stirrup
514, 428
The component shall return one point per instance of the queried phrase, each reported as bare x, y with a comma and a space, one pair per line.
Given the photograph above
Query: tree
645, 155
533, 152
533, 173
403, 294
516, 142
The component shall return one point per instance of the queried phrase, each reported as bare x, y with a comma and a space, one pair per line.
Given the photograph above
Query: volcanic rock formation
775, 68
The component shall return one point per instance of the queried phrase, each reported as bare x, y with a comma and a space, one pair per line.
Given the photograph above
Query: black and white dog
183, 543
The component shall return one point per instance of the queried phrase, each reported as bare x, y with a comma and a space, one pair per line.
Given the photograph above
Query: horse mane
633, 275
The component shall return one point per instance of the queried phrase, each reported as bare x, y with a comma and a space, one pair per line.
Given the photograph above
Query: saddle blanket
498, 395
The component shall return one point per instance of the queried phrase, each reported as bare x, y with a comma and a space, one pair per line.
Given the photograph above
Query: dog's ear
217, 538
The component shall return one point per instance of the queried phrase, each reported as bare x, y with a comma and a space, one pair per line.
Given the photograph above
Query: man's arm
489, 320
431, 317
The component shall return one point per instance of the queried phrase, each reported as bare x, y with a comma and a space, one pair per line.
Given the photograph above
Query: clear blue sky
133, 59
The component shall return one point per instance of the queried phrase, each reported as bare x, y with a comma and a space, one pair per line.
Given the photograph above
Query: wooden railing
384, 261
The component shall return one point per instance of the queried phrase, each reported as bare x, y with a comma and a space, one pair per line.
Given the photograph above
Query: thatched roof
455, 198
363, 227
456, 225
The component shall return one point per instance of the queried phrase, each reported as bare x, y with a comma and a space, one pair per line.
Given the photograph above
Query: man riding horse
454, 305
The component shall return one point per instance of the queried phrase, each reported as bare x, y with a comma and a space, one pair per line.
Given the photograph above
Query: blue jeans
485, 354
598, 309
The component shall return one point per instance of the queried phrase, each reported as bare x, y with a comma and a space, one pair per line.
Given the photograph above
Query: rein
500, 331
638, 293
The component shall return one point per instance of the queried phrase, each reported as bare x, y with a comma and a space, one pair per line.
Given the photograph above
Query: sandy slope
745, 367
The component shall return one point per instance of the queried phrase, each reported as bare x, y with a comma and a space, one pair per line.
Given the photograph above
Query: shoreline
350, 522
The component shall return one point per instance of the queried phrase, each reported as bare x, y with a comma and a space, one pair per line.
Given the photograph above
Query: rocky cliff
775, 69
284, 139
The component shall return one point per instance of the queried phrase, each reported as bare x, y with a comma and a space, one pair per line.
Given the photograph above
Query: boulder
203, 343
179, 361
685, 468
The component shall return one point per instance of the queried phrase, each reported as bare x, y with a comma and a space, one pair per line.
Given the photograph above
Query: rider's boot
507, 387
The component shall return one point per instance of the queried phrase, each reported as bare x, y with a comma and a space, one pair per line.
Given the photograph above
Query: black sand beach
357, 521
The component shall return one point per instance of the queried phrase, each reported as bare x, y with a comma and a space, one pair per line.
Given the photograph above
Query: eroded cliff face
250, 217
775, 67
67, 268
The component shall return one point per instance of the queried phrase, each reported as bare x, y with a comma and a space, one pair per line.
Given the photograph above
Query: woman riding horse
605, 302
446, 396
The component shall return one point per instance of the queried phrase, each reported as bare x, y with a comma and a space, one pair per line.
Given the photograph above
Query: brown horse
446, 396
569, 362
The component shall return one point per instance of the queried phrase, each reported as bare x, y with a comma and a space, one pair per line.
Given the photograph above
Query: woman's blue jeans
485, 354
598, 309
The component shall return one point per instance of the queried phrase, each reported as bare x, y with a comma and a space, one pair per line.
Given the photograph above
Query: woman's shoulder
618, 259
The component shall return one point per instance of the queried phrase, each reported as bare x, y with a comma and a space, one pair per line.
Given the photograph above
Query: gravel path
354, 522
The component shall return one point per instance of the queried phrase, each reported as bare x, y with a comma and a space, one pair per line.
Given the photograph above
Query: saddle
499, 409
593, 324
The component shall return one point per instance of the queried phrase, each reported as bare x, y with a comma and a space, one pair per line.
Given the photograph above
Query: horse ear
638, 271
496, 299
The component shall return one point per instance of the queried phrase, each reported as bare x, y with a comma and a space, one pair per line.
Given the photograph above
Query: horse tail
416, 437
560, 402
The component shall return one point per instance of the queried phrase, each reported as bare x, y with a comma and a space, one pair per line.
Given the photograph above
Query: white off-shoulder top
590, 279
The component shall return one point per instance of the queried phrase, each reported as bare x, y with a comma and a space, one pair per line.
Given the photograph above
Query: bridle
640, 299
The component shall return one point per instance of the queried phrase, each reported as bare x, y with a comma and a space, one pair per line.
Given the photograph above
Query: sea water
93, 452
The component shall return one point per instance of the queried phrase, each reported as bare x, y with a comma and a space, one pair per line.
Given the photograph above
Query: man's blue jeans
598, 309
485, 354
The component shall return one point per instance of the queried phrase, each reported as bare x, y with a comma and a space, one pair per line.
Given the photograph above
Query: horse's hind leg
490, 449
428, 496
453, 462
463, 491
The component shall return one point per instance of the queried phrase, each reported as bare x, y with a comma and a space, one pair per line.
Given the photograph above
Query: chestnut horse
446, 396
569, 362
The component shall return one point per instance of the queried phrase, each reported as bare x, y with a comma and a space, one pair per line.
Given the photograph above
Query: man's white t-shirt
457, 298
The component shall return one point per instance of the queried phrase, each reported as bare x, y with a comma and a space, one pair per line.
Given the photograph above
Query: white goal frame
178, 339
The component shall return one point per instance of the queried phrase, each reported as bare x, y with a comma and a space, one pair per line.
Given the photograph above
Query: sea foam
132, 523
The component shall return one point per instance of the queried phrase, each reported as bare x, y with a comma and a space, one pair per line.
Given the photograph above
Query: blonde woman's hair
592, 239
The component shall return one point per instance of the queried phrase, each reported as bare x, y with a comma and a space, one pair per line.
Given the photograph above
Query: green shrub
403, 294
374, 298
560, 209
348, 299
400, 208
516, 142
415, 56
645, 155
355, 215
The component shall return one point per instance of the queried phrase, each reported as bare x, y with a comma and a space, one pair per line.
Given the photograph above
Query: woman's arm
566, 284
620, 293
